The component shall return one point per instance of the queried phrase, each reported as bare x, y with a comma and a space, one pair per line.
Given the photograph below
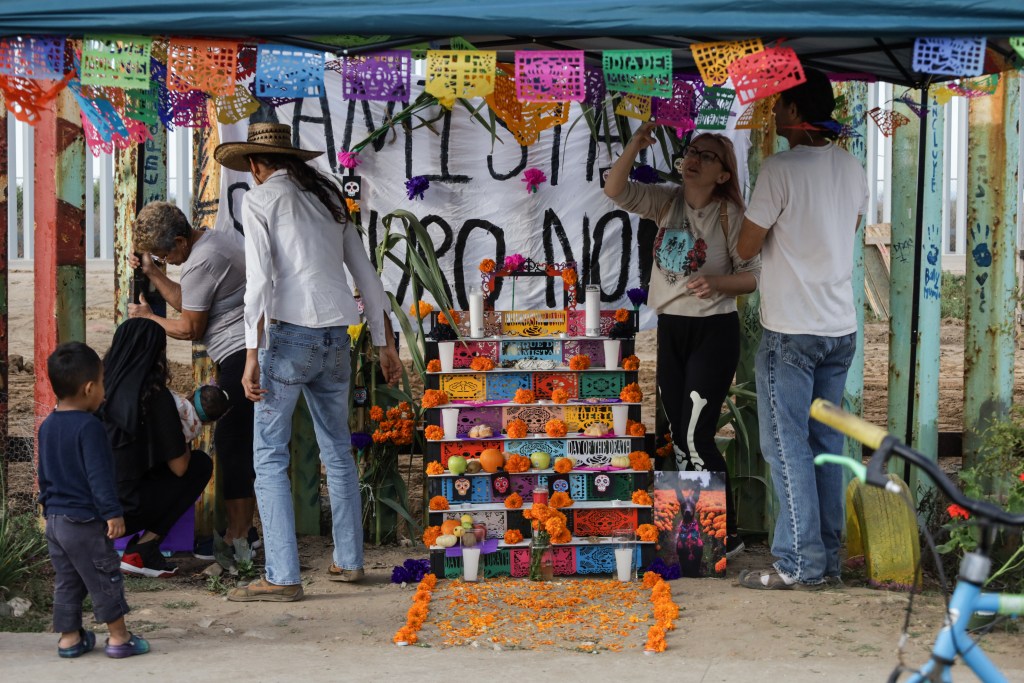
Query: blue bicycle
953, 641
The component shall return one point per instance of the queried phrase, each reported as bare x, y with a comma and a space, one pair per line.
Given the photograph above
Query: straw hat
263, 138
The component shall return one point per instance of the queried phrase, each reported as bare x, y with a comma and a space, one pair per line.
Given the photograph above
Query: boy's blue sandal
135, 645
86, 642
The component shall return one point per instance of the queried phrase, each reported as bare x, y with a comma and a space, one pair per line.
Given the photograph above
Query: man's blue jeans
793, 370
315, 362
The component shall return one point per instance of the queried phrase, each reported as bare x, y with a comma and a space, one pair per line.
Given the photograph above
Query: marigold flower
634, 428
425, 309
640, 461
434, 365
631, 393
352, 205
647, 533
433, 433
435, 468
556, 429
376, 413
481, 364
487, 265
957, 512
569, 276
720, 566
451, 318
621, 315
513, 536
631, 363
560, 396
513, 502
517, 463
640, 497
524, 396
516, 429
438, 503
430, 535
563, 465
560, 499
579, 362
433, 398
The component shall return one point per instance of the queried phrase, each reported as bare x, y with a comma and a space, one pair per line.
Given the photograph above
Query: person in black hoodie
158, 477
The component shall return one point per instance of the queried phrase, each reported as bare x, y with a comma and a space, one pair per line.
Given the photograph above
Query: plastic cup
446, 353
470, 564
623, 564
620, 416
450, 422
611, 354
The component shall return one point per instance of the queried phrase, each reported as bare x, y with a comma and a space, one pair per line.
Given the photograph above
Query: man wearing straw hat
298, 305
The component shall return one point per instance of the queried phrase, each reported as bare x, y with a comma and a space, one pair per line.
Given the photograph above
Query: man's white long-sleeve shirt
294, 256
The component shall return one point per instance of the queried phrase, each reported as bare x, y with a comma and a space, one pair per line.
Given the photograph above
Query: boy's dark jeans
84, 561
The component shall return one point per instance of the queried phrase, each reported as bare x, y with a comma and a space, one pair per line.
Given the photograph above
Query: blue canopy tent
873, 37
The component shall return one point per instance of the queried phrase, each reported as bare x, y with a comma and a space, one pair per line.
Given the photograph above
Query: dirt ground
725, 632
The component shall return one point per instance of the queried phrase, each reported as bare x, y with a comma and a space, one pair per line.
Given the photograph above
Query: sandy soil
725, 632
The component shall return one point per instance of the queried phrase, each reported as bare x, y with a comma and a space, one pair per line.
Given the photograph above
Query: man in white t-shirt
802, 219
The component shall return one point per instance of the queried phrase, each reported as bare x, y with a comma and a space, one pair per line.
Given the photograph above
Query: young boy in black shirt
78, 493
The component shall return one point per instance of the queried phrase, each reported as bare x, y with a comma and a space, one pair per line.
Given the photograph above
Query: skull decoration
561, 485
352, 187
462, 486
501, 484
602, 482
678, 160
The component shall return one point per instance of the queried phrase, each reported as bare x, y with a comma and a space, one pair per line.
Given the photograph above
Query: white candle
470, 563
450, 422
611, 354
624, 564
593, 311
476, 313
446, 354
620, 416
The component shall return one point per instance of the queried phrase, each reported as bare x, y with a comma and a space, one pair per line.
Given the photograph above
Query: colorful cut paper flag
1017, 43
766, 73
949, 56
100, 113
460, 73
246, 62
975, 87
714, 107
117, 61
286, 71
943, 94
377, 76
713, 59
525, 120
35, 57
207, 65
270, 101
757, 116
596, 91
25, 98
179, 109
634, 106
550, 76
887, 120
641, 72
236, 106
679, 111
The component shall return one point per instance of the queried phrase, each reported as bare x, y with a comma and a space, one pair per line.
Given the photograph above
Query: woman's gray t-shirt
213, 280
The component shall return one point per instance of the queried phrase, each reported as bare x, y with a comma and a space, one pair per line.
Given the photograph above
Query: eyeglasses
159, 260
706, 155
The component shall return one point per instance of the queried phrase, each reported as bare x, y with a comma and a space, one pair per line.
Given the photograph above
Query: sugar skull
352, 187
602, 482
462, 486
561, 485
501, 484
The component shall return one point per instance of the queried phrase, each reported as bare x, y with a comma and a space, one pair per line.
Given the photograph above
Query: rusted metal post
4, 392
60, 238
853, 110
205, 194
991, 258
916, 280
141, 174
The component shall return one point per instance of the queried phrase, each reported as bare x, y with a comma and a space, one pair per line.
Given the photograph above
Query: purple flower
514, 263
645, 174
416, 186
637, 296
360, 440
665, 571
411, 571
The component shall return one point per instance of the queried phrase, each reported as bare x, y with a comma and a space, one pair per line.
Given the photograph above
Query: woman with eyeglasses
211, 299
693, 289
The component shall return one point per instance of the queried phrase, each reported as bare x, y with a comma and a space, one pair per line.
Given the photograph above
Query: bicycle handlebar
886, 445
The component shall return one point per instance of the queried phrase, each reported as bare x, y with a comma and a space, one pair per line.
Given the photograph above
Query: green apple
456, 464
540, 459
